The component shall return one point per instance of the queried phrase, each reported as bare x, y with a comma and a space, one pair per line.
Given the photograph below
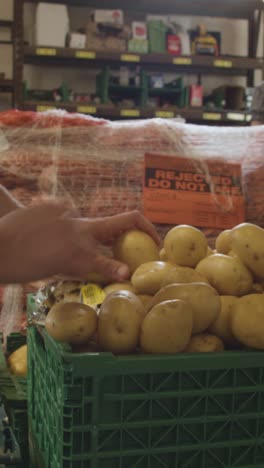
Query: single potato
71, 322
126, 286
17, 361
247, 242
181, 274
203, 299
148, 277
145, 300
248, 320
167, 328
205, 343
257, 288
221, 327
134, 248
185, 245
228, 275
223, 242
119, 322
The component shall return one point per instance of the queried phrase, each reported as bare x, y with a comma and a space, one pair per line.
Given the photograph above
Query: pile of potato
184, 298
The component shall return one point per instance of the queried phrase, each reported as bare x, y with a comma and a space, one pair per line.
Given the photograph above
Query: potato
231, 253
181, 274
167, 328
185, 245
205, 343
134, 248
203, 299
248, 243
163, 255
228, 275
71, 322
257, 288
145, 300
17, 361
221, 327
126, 286
148, 277
119, 322
209, 251
248, 320
223, 242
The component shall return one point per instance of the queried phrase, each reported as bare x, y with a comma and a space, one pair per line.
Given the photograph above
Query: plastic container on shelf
104, 411
157, 36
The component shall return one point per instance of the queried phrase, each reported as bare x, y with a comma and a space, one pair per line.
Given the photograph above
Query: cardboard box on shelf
139, 46
139, 30
51, 25
109, 16
174, 44
76, 40
196, 96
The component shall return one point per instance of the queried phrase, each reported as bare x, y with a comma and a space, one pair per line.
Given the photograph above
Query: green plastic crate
13, 391
180, 411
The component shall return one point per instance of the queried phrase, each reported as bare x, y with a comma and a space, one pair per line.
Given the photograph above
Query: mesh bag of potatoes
182, 296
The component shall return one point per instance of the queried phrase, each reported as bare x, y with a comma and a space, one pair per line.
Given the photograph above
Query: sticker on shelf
164, 114
235, 116
223, 63
182, 61
130, 58
212, 116
130, 113
206, 193
86, 109
41, 108
85, 54
46, 51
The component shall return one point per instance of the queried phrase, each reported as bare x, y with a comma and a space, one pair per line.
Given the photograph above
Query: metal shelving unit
250, 10
7, 85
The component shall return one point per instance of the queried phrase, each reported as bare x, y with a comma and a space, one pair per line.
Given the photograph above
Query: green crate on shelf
175, 411
13, 392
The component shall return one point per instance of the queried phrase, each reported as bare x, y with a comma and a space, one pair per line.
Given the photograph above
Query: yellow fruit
167, 328
248, 320
221, 327
248, 243
228, 275
126, 286
181, 274
203, 299
17, 361
119, 323
223, 242
185, 245
205, 343
134, 248
71, 322
148, 277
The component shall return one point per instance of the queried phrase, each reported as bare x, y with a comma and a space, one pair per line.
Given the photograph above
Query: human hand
48, 240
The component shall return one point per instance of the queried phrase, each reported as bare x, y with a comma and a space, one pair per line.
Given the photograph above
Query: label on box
109, 16
212, 116
92, 295
164, 114
182, 61
86, 109
130, 58
223, 63
85, 54
202, 193
139, 30
130, 113
46, 51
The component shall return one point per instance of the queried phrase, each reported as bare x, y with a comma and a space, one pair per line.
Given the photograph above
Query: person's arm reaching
7, 202
46, 240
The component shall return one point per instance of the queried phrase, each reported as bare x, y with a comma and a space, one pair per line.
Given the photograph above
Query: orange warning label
202, 193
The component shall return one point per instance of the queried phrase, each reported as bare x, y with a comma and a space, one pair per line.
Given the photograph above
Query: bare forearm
7, 202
